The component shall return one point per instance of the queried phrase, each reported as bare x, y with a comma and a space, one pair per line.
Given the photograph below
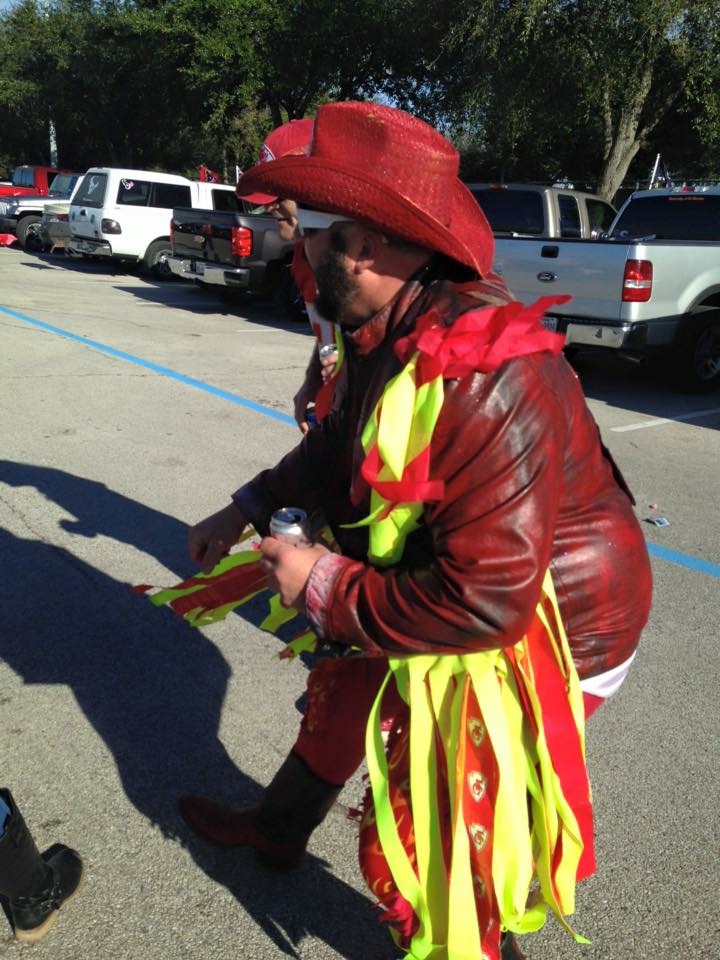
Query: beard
336, 287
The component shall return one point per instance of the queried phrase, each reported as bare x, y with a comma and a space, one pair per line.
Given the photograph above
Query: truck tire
26, 234
699, 353
155, 260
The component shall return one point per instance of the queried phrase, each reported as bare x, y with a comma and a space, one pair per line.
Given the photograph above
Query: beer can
327, 351
291, 525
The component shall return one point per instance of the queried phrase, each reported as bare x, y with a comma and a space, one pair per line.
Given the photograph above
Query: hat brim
337, 187
260, 199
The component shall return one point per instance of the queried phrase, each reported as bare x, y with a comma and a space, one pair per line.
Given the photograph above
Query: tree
582, 78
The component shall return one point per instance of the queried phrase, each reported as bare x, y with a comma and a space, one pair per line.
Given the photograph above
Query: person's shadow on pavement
153, 689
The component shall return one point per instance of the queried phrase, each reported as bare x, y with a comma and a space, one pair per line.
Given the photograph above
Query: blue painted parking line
155, 368
684, 560
662, 553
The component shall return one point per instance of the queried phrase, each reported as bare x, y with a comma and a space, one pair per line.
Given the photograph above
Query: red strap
479, 340
562, 740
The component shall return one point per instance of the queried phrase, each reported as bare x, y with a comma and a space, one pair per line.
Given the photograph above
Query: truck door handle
546, 277
551, 252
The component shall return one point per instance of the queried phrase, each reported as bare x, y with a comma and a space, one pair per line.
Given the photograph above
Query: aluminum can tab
291, 525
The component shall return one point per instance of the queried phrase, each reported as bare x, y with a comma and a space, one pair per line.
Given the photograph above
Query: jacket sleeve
499, 446
296, 481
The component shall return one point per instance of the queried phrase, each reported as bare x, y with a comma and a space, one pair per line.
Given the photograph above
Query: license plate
199, 267
550, 323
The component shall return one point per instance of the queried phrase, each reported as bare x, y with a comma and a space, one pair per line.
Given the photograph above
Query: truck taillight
241, 241
110, 226
637, 281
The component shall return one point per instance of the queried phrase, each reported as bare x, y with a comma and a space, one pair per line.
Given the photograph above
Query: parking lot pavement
131, 409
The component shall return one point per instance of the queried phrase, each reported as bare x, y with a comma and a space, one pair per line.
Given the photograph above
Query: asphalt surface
112, 442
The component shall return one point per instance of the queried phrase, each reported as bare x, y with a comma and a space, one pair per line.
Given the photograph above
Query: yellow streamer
436, 690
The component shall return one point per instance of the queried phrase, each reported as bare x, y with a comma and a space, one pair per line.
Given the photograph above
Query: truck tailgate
591, 271
203, 234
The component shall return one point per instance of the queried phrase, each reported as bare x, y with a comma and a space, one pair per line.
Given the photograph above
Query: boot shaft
22, 869
295, 802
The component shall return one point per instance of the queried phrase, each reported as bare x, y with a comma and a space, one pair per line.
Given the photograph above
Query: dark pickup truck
236, 249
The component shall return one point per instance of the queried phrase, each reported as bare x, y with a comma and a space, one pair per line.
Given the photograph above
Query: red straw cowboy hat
291, 138
382, 166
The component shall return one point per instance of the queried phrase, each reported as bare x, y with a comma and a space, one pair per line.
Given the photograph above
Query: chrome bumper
209, 272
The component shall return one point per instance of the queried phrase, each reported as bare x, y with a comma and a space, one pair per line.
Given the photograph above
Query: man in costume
478, 514
34, 886
291, 139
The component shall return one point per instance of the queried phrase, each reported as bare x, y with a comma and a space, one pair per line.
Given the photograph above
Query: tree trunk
616, 166
623, 140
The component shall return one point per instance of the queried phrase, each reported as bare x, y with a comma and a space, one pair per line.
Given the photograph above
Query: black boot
279, 827
510, 950
35, 886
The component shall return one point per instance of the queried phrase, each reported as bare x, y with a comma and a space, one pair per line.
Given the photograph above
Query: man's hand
212, 538
327, 366
302, 398
288, 568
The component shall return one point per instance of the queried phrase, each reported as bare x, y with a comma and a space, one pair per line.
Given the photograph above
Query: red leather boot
279, 826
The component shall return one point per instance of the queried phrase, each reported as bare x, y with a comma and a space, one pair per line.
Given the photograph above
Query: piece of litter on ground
658, 521
652, 506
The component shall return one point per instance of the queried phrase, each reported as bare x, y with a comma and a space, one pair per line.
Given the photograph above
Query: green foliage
528, 89
577, 87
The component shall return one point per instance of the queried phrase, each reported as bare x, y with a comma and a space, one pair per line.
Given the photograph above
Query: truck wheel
28, 237
699, 355
155, 260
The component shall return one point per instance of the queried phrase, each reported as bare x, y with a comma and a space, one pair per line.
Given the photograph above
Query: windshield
63, 183
679, 216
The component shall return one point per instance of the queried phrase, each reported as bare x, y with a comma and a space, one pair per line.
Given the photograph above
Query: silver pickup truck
539, 211
650, 289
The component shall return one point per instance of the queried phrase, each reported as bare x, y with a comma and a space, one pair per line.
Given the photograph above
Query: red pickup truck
34, 180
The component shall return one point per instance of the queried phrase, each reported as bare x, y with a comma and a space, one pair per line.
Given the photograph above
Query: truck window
91, 192
512, 211
62, 184
226, 200
569, 216
133, 193
679, 216
23, 177
600, 214
169, 195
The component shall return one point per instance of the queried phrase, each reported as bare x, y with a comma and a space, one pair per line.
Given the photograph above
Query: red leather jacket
528, 486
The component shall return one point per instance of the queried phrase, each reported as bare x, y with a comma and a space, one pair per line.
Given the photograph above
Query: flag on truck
208, 175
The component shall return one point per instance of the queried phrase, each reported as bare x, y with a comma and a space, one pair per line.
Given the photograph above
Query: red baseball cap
291, 139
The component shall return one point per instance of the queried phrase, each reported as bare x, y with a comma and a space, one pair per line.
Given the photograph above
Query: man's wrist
319, 588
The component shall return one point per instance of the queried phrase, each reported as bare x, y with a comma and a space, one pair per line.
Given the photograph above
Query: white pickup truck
21, 215
650, 289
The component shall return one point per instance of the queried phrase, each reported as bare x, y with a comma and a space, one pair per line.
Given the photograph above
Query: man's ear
370, 248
